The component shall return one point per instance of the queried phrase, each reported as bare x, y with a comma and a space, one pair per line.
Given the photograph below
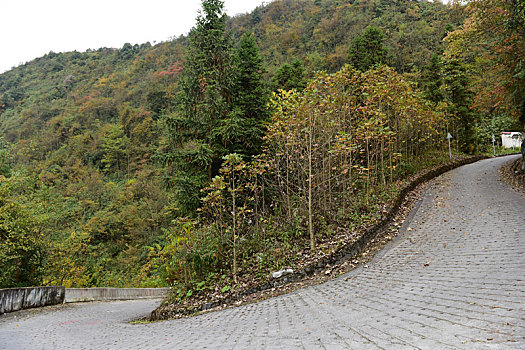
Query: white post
494, 144
449, 148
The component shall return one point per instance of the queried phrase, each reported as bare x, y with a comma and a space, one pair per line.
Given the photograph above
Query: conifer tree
431, 80
207, 80
251, 97
460, 98
367, 50
224, 105
206, 86
290, 76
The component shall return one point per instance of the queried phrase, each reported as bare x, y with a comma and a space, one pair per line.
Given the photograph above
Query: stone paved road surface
453, 279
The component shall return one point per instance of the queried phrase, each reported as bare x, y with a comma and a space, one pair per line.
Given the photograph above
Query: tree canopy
367, 49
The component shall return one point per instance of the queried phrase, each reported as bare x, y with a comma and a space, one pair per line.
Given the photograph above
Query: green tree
290, 76
190, 175
128, 51
243, 131
114, 145
21, 248
431, 80
457, 93
206, 83
5, 161
207, 78
367, 49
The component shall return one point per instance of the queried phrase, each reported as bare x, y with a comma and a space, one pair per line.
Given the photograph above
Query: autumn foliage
210, 160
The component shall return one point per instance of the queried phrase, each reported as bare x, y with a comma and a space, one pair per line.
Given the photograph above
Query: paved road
453, 279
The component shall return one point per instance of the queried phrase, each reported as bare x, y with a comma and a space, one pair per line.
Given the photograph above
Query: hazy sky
31, 28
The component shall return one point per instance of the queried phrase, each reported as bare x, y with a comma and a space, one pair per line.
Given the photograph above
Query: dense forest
254, 143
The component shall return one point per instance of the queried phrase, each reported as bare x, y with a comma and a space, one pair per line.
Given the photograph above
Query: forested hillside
321, 32
257, 142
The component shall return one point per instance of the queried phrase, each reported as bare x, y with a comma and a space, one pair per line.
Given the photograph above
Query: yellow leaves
103, 81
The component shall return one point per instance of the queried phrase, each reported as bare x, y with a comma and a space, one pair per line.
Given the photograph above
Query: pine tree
206, 84
367, 50
251, 98
207, 80
431, 80
460, 98
224, 105
290, 76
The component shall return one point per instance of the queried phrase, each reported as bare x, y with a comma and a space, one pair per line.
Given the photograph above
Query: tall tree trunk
288, 204
367, 171
234, 233
383, 161
310, 211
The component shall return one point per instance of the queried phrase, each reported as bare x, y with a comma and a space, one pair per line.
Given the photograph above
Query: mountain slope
81, 133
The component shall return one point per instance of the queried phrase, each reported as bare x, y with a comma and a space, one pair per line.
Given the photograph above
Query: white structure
511, 139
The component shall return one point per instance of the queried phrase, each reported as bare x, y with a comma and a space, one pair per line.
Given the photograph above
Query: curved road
454, 278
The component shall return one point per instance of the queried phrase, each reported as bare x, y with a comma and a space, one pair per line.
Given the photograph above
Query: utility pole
494, 144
